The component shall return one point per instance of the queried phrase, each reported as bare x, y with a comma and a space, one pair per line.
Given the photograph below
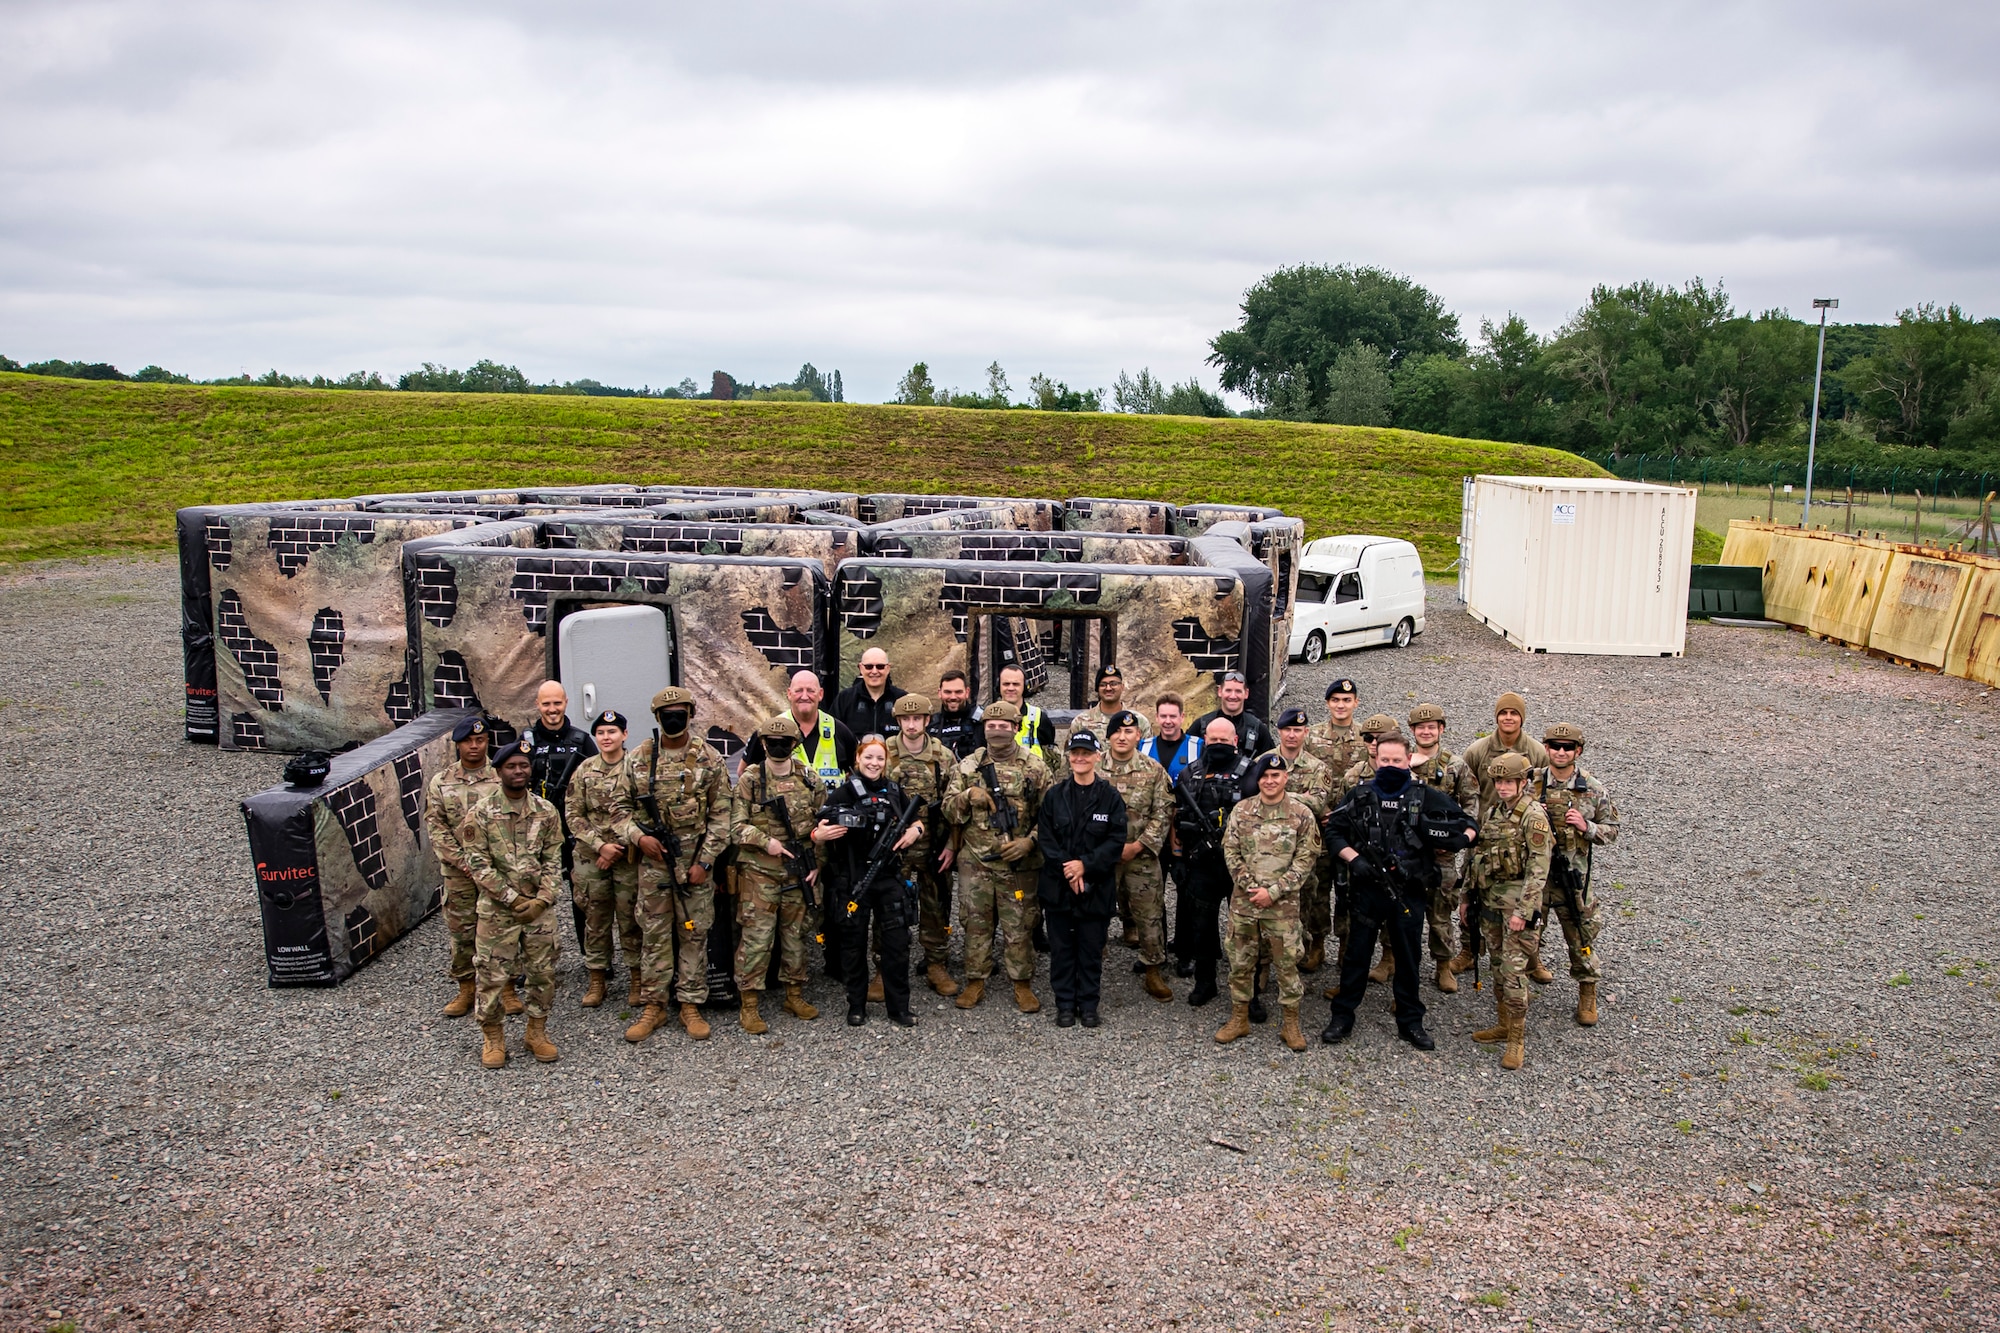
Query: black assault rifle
653, 826
798, 857
1002, 820
884, 848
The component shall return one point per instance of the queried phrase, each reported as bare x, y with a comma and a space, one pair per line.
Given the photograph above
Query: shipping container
1578, 564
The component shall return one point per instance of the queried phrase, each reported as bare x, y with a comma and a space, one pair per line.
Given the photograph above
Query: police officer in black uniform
866, 821
1204, 795
955, 724
555, 748
1388, 832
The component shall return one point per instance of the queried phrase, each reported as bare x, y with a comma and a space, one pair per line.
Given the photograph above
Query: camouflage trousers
995, 896
1142, 904
1508, 952
1579, 932
933, 911
1444, 913
503, 945
461, 918
768, 916
1316, 901
1259, 932
668, 930
608, 898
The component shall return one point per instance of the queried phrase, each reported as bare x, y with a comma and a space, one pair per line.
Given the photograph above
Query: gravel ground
1786, 1118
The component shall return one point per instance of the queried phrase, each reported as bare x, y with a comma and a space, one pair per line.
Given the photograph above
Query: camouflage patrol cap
1380, 723
775, 727
913, 705
673, 697
1000, 711
1510, 765
1564, 731
1423, 713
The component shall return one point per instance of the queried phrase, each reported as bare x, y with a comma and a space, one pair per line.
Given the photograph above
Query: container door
615, 657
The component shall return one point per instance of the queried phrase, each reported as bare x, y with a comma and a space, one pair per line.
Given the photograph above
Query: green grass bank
99, 467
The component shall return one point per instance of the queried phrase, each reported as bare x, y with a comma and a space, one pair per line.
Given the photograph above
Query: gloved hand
1013, 849
979, 798
1365, 865
529, 910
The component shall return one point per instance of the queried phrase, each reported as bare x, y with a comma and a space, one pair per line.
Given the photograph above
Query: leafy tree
999, 393
915, 388
1137, 395
1358, 391
158, 375
74, 370
1191, 400
1054, 396
722, 386
1931, 367
1297, 321
1757, 375
834, 390
1631, 359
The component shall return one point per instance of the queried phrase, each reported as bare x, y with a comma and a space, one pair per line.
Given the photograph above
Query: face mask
778, 747
1389, 781
673, 722
1221, 757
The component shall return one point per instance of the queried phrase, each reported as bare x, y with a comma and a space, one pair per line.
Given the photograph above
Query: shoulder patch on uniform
1538, 837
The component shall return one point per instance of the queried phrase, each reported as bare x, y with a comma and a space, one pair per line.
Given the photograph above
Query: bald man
817, 728
868, 706
555, 747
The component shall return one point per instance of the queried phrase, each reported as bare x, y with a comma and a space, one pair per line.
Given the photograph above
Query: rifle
1002, 820
653, 826
884, 848
1190, 819
797, 855
1574, 884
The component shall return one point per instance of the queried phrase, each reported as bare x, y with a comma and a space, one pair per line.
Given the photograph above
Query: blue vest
1176, 759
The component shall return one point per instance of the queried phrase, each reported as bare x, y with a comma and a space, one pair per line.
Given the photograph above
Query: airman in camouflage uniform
927, 770
597, 804
772, 911
1149, 817
1510, 712
1583, 817
1311, 781
450, 794
1096, 719
512, 842
1269, 845
996, 874
679, 776
1435, 766
1510, 868
1337, 742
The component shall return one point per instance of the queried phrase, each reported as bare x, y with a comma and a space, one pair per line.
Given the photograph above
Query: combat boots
1498, 1032
1462, 961
1315, 955
1024, 998
1157, 987
940, 980
974, 992
1517, 1035
796, 1006
649, 1018
1290, 1033
876, 995
1538, 971
693, 1023
1237, 1026
1130, 939
510, 1003
593, 994
752, 1024
1385, 969
462, 1005
536, 1039
635, 991
1586, 1003
494, 1053
1447, 981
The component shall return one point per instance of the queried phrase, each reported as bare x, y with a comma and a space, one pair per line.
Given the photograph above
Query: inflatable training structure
364, 625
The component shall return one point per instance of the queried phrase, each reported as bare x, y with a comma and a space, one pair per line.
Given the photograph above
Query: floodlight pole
1821, 304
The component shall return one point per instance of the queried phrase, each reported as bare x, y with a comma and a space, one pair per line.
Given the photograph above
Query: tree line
1644, 368
1129, 394
484, 376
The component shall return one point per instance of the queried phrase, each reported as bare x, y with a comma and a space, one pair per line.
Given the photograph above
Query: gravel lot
1786, 1119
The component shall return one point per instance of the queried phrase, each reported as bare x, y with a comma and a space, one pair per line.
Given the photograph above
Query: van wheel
1406, 629
1315, 648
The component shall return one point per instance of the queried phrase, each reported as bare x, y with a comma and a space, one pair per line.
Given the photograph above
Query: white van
1355, 592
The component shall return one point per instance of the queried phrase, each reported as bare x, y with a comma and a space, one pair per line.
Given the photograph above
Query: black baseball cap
1084, 740
1342, 686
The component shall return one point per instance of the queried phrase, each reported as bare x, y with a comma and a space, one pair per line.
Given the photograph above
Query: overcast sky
640, 192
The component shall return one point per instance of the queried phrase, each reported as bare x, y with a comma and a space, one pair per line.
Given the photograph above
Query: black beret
508, 751
469, 727
1342, 686
1293, 717
611, 717
1124, 717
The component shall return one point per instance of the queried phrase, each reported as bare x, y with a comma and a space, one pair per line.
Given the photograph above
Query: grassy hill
96, 467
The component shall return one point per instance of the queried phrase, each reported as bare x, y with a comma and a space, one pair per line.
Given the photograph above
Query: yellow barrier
1791, 575
1850, 588
1748, 542
1974, 650
1922, 599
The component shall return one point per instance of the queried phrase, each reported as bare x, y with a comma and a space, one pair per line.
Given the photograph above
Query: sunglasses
870, 667
1559, 745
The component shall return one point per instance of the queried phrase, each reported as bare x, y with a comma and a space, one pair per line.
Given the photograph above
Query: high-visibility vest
1027, 734
826, 757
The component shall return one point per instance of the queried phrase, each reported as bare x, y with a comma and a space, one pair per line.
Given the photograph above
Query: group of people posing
847, 826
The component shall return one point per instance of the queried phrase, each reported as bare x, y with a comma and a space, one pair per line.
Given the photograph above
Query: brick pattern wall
861, 602
1208, 654
399, 705
1017, 589
258, 659
1019, 646
659, 538
727, 743
353, 804
410, 789
437, 590
362, 939
789, 649
326, 642
451, 683
293, 540
216, 533
246, 732
537, 578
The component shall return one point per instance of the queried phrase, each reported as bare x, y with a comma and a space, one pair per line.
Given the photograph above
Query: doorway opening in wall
612, 655
1058, 655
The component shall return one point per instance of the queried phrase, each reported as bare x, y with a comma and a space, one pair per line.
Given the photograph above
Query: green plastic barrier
1726, 590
